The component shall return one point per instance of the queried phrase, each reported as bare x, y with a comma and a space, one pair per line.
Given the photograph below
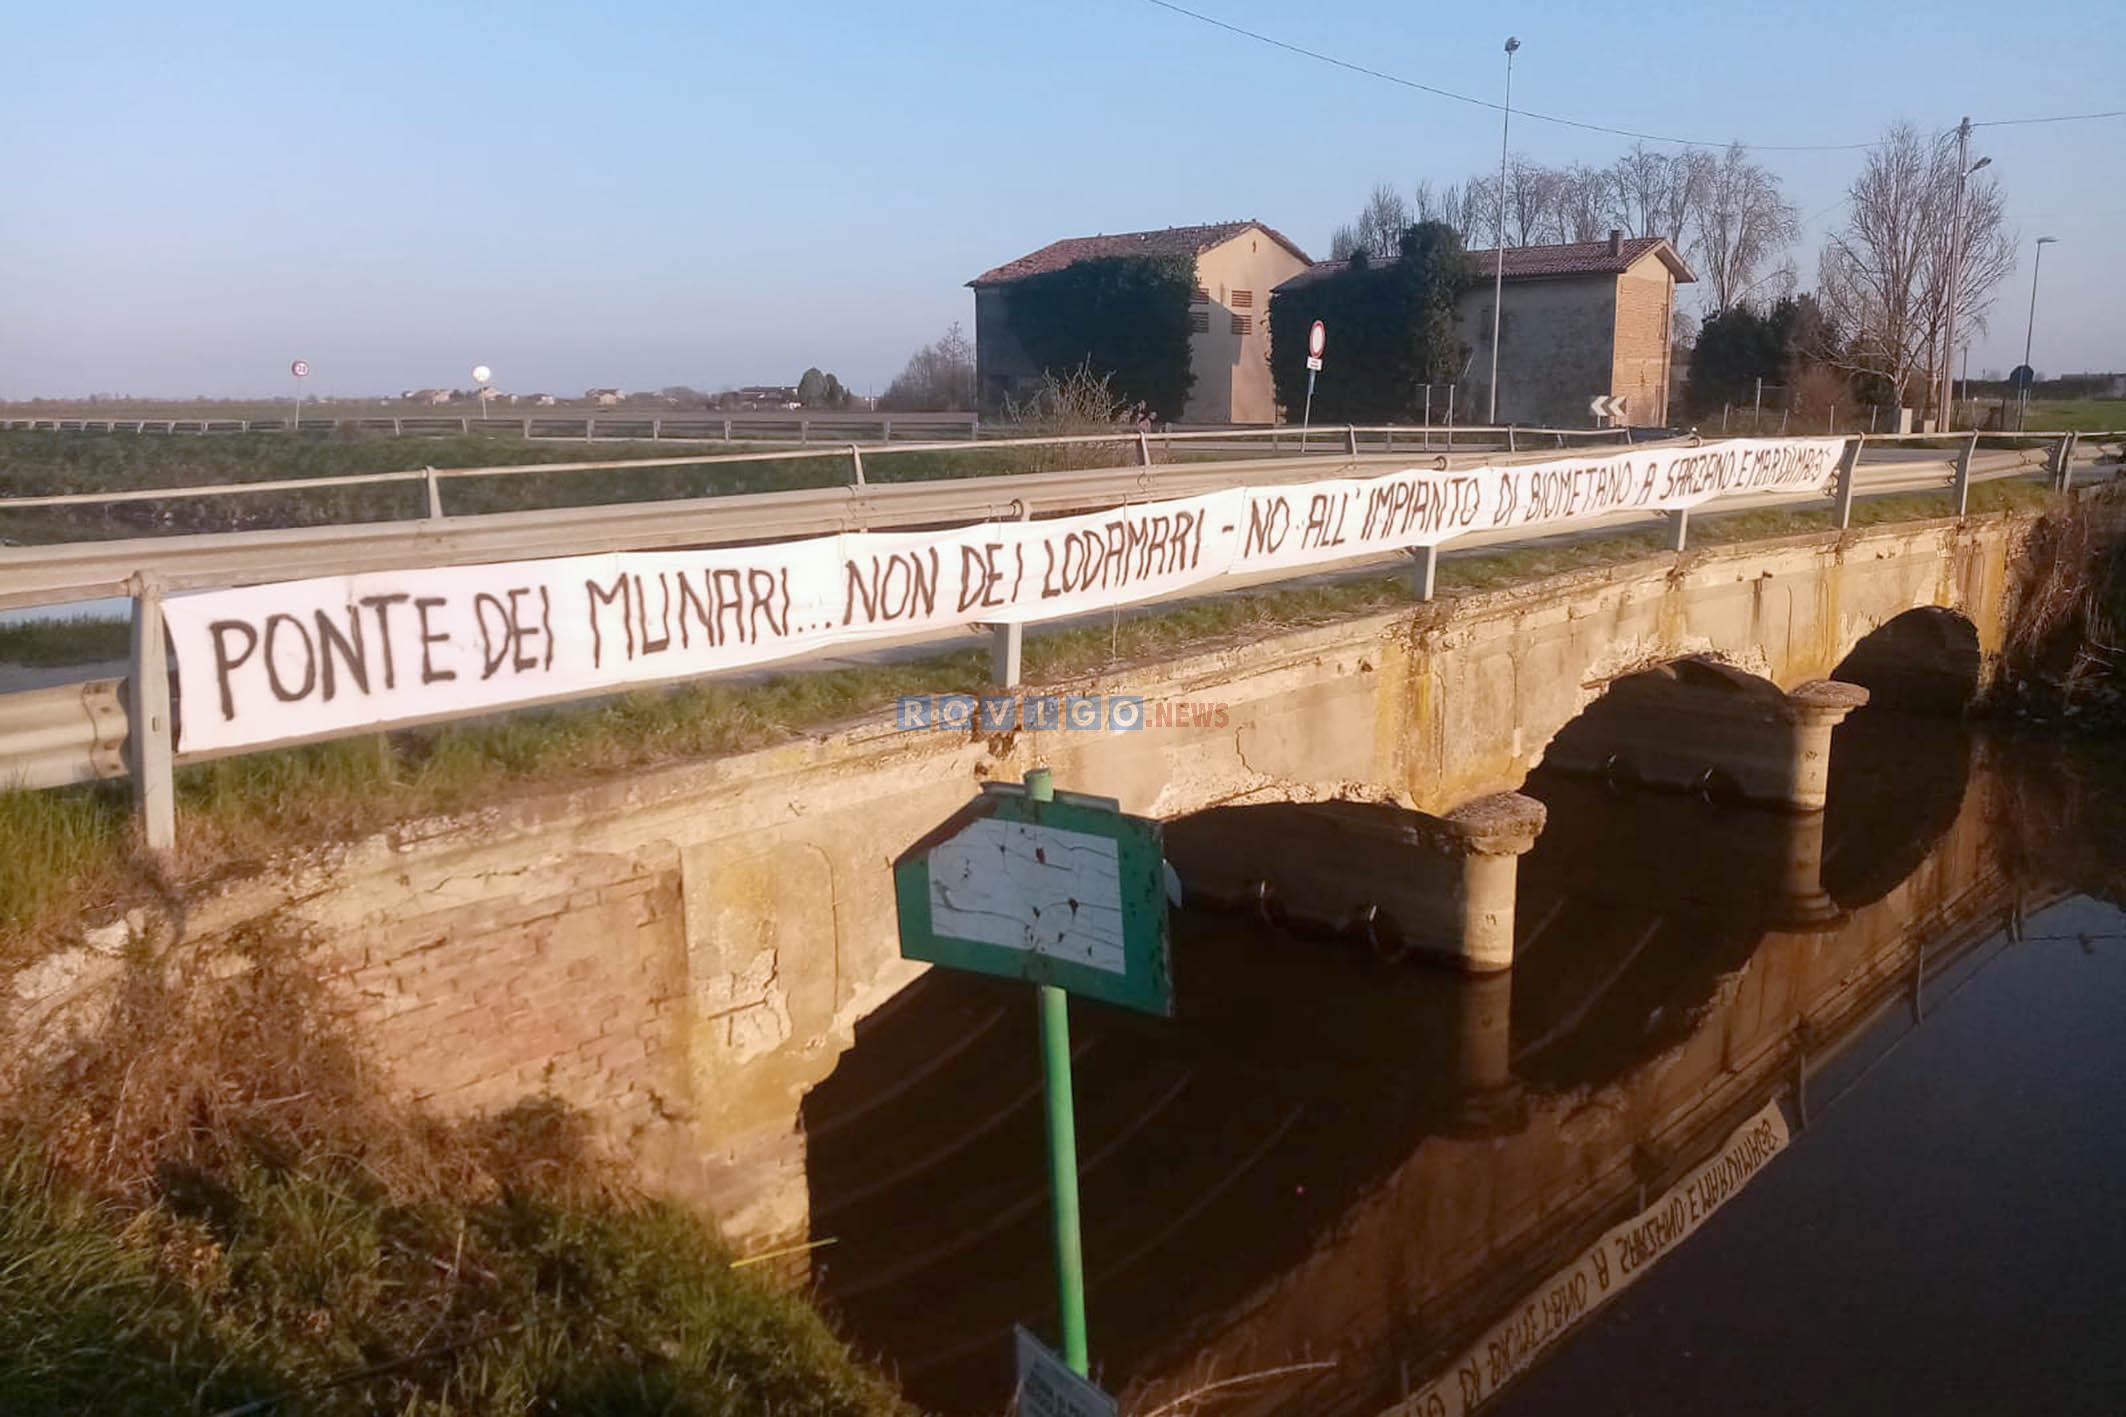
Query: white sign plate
1028, 887
1314, 361
1047, 1386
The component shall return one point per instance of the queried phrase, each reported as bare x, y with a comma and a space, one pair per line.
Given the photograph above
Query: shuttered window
1199, 322
1242, 324
1243, 300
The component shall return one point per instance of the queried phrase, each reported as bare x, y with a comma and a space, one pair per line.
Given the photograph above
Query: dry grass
208, 1204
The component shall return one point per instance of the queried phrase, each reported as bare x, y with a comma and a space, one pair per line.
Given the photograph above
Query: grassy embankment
69, 851
208, 1205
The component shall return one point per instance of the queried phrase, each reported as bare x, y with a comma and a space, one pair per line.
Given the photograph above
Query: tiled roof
1573, 258
1172, 241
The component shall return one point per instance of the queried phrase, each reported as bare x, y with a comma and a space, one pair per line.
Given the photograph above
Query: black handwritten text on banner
337, 653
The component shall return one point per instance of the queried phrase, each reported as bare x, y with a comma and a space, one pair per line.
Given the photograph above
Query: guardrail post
727, 428
1847, 467
1144, 449
856, 460
804, 430
464, 425
148, 732
1425, 577
1682, 529
885, 434
2063, 463
656, 429
1351, 440
435, 491
1007, 643
1962, 484
1509, 440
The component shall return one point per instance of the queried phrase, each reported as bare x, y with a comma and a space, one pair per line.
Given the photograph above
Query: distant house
766, 396
1581, 319
604, 398
1238, 264
429, 396
542, 400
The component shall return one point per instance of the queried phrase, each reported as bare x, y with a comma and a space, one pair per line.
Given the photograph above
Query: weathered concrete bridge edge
686, 951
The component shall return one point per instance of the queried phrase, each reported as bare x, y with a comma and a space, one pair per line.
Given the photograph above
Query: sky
716, 194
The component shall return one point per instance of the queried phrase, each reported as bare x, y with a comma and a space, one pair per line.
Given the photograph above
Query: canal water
1775, 1113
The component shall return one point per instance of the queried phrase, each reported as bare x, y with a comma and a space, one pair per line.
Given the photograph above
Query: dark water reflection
1329, 1159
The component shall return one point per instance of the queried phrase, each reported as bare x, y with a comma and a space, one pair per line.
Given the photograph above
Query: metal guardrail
76, 733
62, 735
563, 425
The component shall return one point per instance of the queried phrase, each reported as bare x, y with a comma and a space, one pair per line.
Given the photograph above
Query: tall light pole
2022, 393
1498, 274
1964, 168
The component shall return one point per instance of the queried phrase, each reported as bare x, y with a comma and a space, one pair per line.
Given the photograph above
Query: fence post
656, 429
1847, 467
1351, 439
804, 430
856, 460
435, 492
1963, 474
1682, 529
465, 425
1426, 575
148, 736
727, 428
885, 434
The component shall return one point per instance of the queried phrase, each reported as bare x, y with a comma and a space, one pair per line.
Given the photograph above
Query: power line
1477, 102
1438, 92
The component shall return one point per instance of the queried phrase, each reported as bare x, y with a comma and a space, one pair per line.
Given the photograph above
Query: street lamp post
1498, 273
2022, 393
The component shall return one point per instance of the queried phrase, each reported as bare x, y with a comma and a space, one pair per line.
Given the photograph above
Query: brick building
1581, 319
1238, 264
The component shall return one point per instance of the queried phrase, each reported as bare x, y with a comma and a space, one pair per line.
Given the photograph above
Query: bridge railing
111, 728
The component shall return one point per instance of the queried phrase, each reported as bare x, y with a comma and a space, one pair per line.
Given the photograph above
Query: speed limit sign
300, 369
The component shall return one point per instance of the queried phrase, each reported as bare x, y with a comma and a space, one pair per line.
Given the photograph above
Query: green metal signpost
1069, 893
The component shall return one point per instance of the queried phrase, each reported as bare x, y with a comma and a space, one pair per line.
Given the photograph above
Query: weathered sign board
1048, 1388
1604, 1270
307, 658
1069, 892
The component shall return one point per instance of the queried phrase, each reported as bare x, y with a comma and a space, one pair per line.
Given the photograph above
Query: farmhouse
1580, 319
1238, 264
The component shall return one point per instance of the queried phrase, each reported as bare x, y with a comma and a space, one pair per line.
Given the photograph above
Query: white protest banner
1308, 523
1605, 1269
305, 658
338, 653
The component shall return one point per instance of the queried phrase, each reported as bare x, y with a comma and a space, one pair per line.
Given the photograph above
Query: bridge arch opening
1925, 661
1702, 726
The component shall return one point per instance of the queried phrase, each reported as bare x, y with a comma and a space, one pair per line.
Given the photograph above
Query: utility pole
1498, 272
1964, 168
2022, 393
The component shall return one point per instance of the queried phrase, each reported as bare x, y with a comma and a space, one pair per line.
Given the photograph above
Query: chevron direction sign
1608, 406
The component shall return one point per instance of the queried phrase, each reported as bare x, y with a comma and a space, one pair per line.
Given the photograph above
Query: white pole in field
481, 376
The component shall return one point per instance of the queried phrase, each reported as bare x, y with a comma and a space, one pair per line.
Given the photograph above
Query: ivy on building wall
1124, 316
1391, 331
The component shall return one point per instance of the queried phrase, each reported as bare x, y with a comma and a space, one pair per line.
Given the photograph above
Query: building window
1199, 322
1202, 296
1242, 324
1243, 300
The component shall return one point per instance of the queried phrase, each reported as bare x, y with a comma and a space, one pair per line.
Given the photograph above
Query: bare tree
1638, 184
1584, 209
1381, 225
938, 378
1884, 277
1744, 223
1531, 200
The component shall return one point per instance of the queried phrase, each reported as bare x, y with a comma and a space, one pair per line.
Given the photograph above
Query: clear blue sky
651, 194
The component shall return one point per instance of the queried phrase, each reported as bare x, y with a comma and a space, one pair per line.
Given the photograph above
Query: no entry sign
1317, 341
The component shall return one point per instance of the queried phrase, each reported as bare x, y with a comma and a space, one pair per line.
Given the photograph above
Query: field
37, 464
2076, 415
